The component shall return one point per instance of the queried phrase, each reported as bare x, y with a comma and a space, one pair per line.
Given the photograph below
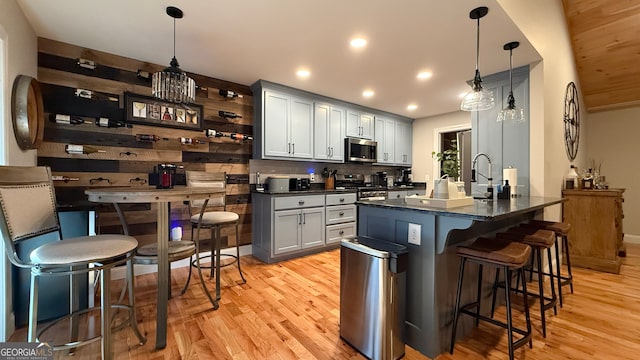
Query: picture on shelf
147, 110
180, 115
167, 113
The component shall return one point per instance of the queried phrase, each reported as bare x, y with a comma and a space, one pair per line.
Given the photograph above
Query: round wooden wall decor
27, 112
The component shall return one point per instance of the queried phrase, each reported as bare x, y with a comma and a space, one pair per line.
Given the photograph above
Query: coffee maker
406, 176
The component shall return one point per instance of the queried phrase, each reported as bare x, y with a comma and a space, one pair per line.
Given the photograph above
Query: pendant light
173, 84
478, 99
511, 113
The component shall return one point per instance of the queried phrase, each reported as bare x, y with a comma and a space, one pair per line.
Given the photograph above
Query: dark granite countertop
481, 210
306, 192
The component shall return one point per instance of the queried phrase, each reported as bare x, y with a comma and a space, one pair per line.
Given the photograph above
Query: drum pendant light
478, 99
173, 84
511, 113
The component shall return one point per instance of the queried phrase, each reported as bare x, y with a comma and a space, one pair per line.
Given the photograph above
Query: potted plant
449, 161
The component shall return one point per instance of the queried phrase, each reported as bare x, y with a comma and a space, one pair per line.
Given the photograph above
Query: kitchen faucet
473, 172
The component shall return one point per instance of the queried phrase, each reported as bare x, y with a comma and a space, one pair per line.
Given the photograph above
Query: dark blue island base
433, 269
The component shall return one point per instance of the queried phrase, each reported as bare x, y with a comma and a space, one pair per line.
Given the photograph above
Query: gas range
365, 191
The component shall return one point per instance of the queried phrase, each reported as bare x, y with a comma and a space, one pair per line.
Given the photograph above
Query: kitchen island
432, 272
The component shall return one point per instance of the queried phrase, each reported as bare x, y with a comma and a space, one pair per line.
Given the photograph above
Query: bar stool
538, 240
561, 229
28, 210
502, 254
213, 219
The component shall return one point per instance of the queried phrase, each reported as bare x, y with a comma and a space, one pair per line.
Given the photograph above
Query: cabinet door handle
304, 218
301, 202
341, 213
294, 148
341, 232
332, 152
288, 148
328, 152
299, 219
341, 199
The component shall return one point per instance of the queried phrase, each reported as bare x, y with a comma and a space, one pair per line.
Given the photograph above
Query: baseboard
631, 239
119, 272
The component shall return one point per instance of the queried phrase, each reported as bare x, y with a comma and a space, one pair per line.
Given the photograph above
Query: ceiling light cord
510, 99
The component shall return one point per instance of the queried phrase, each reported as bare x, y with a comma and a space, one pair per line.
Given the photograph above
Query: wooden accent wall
128, 162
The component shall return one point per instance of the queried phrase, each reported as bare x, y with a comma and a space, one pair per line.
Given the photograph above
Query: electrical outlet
312, 177
414, 233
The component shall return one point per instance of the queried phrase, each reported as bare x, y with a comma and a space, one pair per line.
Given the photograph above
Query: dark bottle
67, 119
147, 138
105, 122
229, 94
228, 114
190, 141
213, 133
242, 137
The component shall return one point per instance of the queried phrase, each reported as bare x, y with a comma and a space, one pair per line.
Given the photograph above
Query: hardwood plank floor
290, 310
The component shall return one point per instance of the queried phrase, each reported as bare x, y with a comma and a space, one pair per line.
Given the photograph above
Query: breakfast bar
433, 266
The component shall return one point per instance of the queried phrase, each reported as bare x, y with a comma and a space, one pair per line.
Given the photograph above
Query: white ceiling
243, 41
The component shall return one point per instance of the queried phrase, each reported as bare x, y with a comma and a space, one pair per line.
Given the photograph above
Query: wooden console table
596, 237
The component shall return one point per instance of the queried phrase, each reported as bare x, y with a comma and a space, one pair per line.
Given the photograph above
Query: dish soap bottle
571, 179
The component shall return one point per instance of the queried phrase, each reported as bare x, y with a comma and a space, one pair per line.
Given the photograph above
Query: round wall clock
27, 112
571, 121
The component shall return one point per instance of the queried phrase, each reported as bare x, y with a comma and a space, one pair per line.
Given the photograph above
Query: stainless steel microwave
360, 150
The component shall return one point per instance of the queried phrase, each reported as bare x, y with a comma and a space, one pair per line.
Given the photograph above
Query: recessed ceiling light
368, 93
424, 75
303, 73
412, 107
358, 42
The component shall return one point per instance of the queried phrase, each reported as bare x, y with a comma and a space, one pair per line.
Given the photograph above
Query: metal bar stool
503, 254
561, 229
538, 240
27, 210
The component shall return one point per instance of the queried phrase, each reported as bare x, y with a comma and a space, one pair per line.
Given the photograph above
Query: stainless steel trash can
372, 296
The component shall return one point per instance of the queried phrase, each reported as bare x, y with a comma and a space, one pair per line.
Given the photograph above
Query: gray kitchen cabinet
341, 217
403, 141
328, 132
359, 124
385, 136
287, 226
396, 194
287, 126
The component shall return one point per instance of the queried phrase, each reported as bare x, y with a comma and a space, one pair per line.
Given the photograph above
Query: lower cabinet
297, 229
288, 226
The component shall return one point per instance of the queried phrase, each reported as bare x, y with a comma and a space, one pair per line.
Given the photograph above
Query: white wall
423, 140
613, 142
543, 23
20, 57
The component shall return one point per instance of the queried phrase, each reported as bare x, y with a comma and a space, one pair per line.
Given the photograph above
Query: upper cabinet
292, 124
287, 126
359, 124
328, 132
394, 141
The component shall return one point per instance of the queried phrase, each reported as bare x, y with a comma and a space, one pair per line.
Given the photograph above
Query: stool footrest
526, 335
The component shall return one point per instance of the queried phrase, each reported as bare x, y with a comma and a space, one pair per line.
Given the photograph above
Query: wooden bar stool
561, 229
538, 240
502, 254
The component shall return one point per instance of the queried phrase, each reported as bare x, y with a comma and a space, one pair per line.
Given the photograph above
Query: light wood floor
290, 310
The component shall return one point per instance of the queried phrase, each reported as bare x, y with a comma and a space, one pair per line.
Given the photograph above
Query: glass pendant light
511, 113
173, 84
478, 99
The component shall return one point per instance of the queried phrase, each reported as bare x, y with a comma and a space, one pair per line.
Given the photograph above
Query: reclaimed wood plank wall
128, 162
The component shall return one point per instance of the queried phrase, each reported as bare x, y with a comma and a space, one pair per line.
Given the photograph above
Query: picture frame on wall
147, 110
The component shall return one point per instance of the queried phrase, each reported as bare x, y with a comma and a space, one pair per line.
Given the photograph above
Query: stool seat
497, 251
211, 218
530, 236
83, 249
560, 228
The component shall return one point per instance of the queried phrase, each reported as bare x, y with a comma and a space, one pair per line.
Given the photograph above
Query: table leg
163, 274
